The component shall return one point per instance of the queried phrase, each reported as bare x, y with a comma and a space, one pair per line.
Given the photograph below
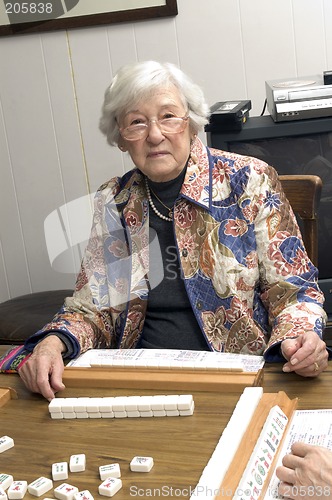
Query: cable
264, 107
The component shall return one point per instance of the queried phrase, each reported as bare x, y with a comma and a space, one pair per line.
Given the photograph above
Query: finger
46, 391
285, 490
311, 352
289, 347
309, 372
285, 474
305, 355
39, 387
292, 462
44, 386
313, 369
301, 449
56, 377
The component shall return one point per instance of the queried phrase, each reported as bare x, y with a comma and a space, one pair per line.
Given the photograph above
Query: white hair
138, 80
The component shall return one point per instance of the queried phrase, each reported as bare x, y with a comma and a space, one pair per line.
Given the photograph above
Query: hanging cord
264, 107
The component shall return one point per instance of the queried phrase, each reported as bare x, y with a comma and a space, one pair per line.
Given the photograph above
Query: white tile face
40, 486
141, 464
65, 491
109, 487
6, 443
60, 471
77, 463
17, 490
3, 494
83, 495
110, 470
5, 481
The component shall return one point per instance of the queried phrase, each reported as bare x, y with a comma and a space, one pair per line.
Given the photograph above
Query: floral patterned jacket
248, 277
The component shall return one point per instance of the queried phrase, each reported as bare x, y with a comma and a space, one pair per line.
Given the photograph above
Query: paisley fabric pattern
247, 274
14, 359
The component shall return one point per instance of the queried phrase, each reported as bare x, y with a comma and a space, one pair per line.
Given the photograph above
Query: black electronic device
327, 77
228, 115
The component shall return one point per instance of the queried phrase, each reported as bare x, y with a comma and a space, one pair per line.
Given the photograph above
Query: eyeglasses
173, 125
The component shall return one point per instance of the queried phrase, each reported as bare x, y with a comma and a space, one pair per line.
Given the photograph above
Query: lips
156, 154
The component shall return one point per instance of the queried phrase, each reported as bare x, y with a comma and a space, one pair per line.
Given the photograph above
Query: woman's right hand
42, 372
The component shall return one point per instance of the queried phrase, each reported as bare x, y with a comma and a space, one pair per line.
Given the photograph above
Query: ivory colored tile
65, 491
83, 495
109, 487
60, 471
17, 490
5, 481
6, 443
141, 464
40, 486
77, 463
110, 470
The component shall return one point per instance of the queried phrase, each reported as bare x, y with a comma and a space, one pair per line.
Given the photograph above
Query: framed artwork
19, 16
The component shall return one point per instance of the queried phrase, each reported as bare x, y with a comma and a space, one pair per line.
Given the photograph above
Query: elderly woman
192, 249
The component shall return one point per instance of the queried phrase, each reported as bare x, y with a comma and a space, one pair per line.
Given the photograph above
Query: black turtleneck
170, 322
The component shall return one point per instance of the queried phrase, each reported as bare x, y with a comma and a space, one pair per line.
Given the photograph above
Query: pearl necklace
152, 205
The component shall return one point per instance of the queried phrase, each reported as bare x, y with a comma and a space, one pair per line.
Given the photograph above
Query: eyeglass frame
147, 125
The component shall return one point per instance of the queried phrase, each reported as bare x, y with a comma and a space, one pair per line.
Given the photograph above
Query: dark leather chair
23, 316
304, 192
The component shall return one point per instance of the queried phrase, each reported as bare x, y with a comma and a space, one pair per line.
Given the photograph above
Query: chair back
303, 193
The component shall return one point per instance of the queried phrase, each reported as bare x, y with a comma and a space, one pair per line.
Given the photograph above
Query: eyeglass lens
173, 125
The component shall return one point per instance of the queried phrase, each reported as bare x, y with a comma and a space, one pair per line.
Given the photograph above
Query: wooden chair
303, 193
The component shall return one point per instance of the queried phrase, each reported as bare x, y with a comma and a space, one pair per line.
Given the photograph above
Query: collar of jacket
197, 183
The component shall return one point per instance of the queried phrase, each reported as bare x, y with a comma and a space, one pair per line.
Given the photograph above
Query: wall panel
327, 14
67, 134
210, 47
268, 44
14, 275
157, 40
92, 70
309, 35
32, 143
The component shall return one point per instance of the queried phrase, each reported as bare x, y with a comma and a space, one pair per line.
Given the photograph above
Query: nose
154, 132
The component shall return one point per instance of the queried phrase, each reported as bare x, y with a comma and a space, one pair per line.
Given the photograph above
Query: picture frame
23, 17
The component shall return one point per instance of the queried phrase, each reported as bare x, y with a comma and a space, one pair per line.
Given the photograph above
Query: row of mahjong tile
110, 475
122, 406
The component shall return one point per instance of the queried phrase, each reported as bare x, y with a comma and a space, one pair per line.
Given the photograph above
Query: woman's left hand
306, 354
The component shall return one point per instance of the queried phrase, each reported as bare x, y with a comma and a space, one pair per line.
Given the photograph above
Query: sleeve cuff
72, 345
273, 354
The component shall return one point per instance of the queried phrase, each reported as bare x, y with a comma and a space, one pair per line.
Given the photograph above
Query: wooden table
180, 446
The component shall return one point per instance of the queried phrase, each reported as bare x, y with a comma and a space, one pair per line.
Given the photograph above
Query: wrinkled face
160, 156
